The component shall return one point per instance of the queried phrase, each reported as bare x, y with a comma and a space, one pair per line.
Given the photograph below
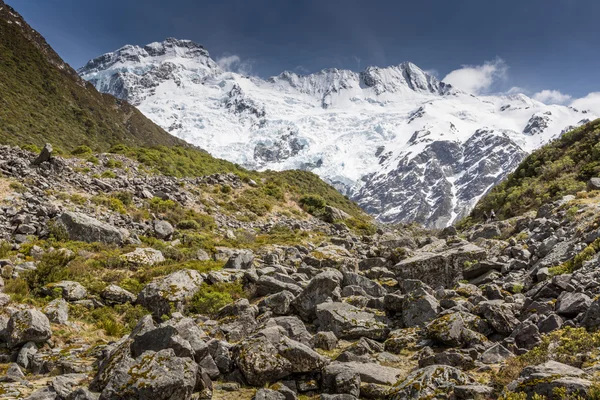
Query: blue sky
492, 46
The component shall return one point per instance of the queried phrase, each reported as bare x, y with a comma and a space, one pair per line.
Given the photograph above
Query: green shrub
51, 268
17, 187
211, 298
312, 202
188, 224
125, 197
112, 203
226, 189
5, 248
108, 174
81, 150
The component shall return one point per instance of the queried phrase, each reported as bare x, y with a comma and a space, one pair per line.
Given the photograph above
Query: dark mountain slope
562, 167
42, 99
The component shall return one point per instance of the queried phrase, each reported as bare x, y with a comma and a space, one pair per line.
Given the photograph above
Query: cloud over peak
478, 79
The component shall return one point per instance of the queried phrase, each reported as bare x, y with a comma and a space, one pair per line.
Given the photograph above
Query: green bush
189, 224
51, 268
81, 150
211, 298
108, 174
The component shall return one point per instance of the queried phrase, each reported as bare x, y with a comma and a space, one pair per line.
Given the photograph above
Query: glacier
403, 144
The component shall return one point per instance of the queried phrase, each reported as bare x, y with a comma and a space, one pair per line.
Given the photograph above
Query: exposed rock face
173, 290
428, 381
443, 267
349, 322
153, 375
84, 228
28, 326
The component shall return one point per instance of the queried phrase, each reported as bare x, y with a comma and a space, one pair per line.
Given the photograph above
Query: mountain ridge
357, 130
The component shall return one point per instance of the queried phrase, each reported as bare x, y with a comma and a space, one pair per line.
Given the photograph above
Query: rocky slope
404, 145
121, 283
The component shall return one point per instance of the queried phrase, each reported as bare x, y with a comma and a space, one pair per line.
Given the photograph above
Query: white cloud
516, 90
589, 102
552, 97
478, 79
233, 63
432, 72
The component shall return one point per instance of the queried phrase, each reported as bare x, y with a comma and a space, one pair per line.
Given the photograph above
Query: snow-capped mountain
406, 146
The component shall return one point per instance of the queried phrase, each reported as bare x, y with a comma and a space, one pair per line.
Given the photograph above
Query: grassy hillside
43, 100
560, 168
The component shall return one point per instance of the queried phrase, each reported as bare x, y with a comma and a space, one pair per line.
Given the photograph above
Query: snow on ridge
367, 132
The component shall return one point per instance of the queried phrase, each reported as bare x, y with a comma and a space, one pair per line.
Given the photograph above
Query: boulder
349, 322
57, 311
28, 325
44, 156
153, 375
459, 329
163, 229
322, 287
371, 288
439, 268
171, 291
593, 184
570, 304
242, 259
325, 340
144, 256
430, 381
495, 354
267, 285
83, 228
544, 379
69, 290
279, 303
368, 372
419, 308
498, 314
268, 394
113, 294
256, 359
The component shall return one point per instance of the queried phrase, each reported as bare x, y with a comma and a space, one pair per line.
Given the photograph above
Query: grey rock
349, 322
84, 228
571, 304
28, 350
267, 285
368, 372
321, 288
268, 394
44, 156
173, 290
28, 325
441, 268
255, 358
370, 287
473, 392
434, 379
163, 229
419, 308
57, 311
113, 294
70, 291
160, 375
240, 260
325, 340
144, 256
498, 314
545, 378
279, 303
495, 354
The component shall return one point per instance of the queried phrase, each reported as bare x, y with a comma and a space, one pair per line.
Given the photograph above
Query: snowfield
406, 146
